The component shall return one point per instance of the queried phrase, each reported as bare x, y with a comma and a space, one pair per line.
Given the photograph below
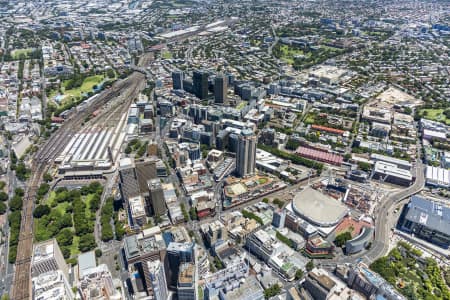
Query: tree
407, 110
2, 208
16, 203
120, 230
65, 251
110, 73
272, 291
193, 213
42, 190
342, 238
22, 172
278, 202
107, 232
65, 237
5, 297
292, 144
364, 166
19, 191
128, 150
298, 274
13, 158
310, 265
87, 243
47, 177
3, 197
65, 221
447, 113
2, 185
217, 263
40, 211
98, 253
94, 204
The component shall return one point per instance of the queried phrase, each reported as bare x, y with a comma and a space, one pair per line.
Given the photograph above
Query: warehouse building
426, 219
318, 155
390, 172
437, 177
399, 163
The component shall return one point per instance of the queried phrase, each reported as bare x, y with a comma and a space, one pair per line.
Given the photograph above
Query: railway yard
111, 105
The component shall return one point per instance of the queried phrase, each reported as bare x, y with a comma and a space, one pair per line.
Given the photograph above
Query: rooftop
187, 274
86, 261
323, 279
318, 208
43, 250
429, 213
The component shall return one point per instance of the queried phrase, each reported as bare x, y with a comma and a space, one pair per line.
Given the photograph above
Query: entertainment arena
318, 209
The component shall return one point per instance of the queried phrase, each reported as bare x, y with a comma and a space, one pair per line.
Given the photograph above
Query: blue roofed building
426, 219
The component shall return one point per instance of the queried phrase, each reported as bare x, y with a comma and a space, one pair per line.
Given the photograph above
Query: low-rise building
437, 177
319, 285
317, 247
97, 283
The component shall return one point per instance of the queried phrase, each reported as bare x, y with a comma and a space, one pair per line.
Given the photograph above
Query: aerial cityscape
224, 149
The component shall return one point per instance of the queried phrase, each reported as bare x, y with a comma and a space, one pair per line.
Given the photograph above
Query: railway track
63, 135
21, 283
21, 287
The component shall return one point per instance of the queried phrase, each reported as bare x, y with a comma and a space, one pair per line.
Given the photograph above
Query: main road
385, 220
49, 150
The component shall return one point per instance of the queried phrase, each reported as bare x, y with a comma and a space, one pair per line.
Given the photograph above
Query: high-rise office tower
156, 197
200, 79
177, 254
128, 181
177, 80
158, 280
145, 171
220, 89
47, 256
187, 282
246, 154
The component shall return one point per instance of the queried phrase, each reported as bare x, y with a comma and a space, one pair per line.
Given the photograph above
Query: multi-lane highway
126, 88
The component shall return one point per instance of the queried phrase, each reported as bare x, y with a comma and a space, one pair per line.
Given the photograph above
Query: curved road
386, 219
384, 222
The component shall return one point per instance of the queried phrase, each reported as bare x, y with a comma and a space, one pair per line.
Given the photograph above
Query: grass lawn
166, 55
289, 53
87, 200
86, 87
435, 115
262, 180
16, 53
310, 119
61, 207
51, 198
74, 248
40, 232
241, 105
